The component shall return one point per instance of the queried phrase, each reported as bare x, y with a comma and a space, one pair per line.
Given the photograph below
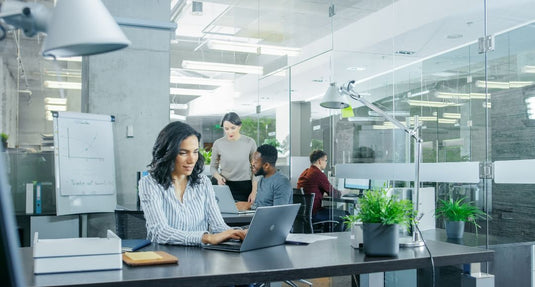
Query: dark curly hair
268, 153
166, 149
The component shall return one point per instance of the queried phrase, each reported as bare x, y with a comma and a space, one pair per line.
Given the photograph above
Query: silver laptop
225, 201
269, 227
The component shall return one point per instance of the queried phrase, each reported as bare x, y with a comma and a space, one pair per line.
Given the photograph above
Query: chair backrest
130, 224
299, 191
303, 220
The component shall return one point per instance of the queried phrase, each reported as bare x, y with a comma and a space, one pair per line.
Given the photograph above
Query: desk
199, 267
132, 222
350, 203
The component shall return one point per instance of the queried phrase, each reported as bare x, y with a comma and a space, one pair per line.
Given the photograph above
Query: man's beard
260, 172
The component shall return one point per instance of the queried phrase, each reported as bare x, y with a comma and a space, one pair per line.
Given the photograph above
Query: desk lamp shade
333, 99
82, 28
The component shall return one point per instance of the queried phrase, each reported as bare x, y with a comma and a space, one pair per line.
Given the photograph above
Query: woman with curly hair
177, 200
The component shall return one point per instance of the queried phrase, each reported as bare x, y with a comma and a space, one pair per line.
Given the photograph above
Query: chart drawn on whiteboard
85, 157
84, 146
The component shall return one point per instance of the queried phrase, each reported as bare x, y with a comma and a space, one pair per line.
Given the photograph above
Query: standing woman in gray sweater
231, 159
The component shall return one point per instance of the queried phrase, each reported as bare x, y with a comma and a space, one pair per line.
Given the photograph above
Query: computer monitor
10, 261
357, 183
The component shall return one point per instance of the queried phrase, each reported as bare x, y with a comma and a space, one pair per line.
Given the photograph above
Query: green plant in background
459, 210
4, 139
207, 154
376, 206
316, 144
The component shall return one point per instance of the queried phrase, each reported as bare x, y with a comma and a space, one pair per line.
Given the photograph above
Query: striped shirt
170, 221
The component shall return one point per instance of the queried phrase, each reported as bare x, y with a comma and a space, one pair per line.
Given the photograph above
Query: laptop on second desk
269, 227
225, 201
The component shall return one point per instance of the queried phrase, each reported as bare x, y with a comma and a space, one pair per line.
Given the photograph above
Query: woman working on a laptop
177, 200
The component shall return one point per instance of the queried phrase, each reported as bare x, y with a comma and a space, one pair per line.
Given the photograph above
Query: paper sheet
307, 238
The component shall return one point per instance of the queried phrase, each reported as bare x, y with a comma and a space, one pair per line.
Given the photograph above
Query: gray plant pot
380, 240
454, 229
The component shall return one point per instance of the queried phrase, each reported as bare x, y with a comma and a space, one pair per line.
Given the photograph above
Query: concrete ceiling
367, 35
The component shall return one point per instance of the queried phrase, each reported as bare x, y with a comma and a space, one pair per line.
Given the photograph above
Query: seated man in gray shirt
273, 188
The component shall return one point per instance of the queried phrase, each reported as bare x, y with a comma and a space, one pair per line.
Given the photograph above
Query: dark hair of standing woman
166, 149
232, 118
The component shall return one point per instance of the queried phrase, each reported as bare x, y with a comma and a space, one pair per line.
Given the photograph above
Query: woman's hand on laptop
217, 238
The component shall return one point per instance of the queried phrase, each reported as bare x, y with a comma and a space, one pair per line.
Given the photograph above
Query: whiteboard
84, 163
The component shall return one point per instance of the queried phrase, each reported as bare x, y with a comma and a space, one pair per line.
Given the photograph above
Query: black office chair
130, 224
303, 221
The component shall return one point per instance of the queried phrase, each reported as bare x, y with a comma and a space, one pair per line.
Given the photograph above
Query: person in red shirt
313, 180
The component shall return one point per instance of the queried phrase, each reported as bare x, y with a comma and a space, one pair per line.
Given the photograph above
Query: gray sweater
232, 159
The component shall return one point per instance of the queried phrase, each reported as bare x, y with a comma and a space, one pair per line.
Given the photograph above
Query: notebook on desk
225, 201
269, 227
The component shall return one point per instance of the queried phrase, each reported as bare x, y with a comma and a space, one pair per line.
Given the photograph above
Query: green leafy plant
207, 154
459, 210
376, 206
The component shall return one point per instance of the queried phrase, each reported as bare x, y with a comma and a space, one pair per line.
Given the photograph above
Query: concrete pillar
133, 85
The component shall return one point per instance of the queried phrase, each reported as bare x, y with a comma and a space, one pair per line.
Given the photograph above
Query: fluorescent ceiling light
221, 67
504, 85
199, 81
520, 84
410, 95
528, 69
232, 38
428, 104
461, 96
174, 116
424, 119
59, 108
452, 115
63, 85
394, 114
190, 92
447, 121
56, 101
174, 106
253, 48
492, 85
65, 59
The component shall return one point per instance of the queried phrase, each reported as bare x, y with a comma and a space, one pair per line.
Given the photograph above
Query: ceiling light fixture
199, 81
461, 96
528, 69
428, 104
492, 85
174, 106
221, 67
447, 121
411, 95
71, 28
190, 92
62, 85
64, 59
452, 115
56, 101
253, 48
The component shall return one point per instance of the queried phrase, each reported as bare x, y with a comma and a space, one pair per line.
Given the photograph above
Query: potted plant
381, 214
455, 213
